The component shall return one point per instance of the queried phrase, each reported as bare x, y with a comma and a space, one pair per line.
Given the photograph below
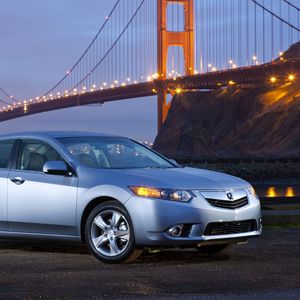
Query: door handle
17, 180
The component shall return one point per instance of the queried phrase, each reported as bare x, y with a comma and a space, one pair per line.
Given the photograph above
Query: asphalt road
266, 268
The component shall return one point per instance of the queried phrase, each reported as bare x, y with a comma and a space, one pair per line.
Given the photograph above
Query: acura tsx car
117, 196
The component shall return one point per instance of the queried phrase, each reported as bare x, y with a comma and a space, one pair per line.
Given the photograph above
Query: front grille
229, 204
220, 228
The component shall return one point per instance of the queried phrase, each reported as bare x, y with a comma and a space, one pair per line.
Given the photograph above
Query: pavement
267, 267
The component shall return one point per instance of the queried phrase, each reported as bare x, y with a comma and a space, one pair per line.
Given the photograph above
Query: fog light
176, 230
260, 225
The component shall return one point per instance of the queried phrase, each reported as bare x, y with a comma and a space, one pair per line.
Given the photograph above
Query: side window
33, 155
5, 151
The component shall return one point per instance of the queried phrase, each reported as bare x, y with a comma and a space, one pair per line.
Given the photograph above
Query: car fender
85, 197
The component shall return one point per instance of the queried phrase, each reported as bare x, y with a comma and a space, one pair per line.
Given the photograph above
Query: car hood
179, 178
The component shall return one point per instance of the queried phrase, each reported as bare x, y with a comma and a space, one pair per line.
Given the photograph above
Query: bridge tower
184, 39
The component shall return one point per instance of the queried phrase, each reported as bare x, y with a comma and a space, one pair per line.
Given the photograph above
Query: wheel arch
91, 205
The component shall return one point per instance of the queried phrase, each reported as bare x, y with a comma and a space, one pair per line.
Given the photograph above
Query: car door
6, 149
38, 202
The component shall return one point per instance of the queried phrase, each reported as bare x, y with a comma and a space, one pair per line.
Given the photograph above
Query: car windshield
113, 153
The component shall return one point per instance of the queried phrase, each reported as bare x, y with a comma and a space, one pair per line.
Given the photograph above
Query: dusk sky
40, 40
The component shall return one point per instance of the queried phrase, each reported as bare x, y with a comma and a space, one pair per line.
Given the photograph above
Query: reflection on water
290, 192
272, 192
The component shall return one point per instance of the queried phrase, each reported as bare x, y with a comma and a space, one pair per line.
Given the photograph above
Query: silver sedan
117, 196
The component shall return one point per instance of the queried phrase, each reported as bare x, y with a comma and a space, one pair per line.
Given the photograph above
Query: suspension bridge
161, 47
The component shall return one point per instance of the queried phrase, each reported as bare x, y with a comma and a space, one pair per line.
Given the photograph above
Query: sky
39, 41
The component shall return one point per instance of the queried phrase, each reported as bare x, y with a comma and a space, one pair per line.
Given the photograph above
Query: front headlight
165, 194
251, 191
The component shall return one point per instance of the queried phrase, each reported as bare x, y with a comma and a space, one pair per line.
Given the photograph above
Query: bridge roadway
260, 74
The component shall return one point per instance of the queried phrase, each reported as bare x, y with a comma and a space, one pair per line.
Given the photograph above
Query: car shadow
149, 256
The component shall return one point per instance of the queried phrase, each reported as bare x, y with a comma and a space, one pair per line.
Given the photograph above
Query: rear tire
213, 248
109, 233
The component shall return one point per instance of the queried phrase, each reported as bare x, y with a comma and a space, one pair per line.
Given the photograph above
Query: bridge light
154, 90
254, 57
214, 69
123, 84
135, 82
234, 66
84, 88
209, 65
280, 53
116, 81
128, 79
195, 72
104, 83
230, 61
68, 72
273, 79
231, 82
178, 90
291, 77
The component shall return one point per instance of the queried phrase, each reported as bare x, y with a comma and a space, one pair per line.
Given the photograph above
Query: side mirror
56, 168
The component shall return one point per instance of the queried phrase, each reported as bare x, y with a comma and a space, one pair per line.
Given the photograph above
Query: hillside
239, 122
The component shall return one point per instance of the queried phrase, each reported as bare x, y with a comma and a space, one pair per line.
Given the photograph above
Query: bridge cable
292, 5
276, 16
4, 91
87, 49
112, 46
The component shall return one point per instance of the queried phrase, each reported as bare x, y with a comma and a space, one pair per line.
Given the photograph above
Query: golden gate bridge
160, 47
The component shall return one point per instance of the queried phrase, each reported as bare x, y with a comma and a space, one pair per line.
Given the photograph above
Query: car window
34, 154
113, 153
5, 151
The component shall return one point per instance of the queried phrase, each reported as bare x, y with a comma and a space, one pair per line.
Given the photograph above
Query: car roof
55, 134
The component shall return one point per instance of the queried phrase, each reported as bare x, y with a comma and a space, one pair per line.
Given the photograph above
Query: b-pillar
184, 39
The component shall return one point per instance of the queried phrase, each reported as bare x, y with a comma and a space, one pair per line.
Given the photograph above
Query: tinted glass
5, 151
34, 154
113, 153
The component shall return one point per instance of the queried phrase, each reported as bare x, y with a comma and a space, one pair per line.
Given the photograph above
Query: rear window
5, 151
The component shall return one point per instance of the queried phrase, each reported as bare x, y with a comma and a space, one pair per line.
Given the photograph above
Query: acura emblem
229, 196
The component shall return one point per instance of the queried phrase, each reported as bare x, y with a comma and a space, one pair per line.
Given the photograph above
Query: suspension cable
112, 46
276, 16
87, 49
291, 4
5, 92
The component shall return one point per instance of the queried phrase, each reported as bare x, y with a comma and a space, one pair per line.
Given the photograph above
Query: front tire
109, 233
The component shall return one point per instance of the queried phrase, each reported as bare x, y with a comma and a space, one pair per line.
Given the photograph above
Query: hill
236, 122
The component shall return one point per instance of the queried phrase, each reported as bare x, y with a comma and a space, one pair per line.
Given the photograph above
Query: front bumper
152, 219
